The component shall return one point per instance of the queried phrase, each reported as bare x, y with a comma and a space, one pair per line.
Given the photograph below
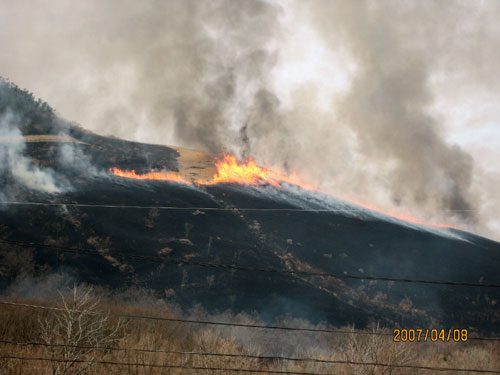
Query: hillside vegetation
34, 116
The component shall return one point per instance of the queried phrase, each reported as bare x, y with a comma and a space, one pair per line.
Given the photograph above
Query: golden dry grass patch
40, 138
195, 165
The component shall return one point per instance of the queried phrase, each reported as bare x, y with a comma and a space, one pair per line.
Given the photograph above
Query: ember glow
230, 171
153, 175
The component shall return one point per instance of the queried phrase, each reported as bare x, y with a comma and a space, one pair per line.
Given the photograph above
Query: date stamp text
433, 335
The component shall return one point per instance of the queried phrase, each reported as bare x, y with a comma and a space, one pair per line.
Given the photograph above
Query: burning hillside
355, 135
164, 214
230, 171
244, 215
153, 175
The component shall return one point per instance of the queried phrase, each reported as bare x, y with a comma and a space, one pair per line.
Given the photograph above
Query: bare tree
380, 349
77, 331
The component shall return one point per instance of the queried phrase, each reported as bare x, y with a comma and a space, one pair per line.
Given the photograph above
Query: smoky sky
200, 74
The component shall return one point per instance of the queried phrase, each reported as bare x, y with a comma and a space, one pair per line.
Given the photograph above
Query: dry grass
23, 324
40, 138
195, 165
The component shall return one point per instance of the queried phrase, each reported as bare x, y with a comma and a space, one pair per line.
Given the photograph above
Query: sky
393, 103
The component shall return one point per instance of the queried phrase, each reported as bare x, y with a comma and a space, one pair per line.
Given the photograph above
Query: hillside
110, 220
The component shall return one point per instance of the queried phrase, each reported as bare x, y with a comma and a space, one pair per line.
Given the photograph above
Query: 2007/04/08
423, 335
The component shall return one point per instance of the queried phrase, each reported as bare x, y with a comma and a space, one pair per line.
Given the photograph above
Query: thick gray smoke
399, 47
182, 70
201, 74
388, 101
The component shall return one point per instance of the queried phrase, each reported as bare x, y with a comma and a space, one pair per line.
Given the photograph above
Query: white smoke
72, 156
23, 171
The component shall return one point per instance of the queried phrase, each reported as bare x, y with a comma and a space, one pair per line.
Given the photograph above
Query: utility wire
192, 321
344, 362
208, 322
243, 268
159, 366
361, 209
165, 351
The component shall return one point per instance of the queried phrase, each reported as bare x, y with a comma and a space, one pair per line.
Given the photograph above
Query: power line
344, 362
243, 268
165, 351
192, 321
361, 209
159, 366
224, 324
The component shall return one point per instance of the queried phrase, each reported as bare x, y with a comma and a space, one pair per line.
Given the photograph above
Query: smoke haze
19, 168
372, 117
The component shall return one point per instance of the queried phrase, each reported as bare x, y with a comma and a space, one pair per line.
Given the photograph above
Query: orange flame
401, 215
249, 173
153, 175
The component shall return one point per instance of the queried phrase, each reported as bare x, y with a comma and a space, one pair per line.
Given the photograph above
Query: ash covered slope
358, 243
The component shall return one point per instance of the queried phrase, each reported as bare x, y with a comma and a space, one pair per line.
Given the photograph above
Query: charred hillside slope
160, 235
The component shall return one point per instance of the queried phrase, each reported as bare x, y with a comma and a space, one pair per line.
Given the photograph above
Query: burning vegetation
153, 175
230, 171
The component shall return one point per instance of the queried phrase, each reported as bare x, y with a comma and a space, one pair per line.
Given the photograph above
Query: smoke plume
399, 47
155, 70
387, 103
17, 167
203, 74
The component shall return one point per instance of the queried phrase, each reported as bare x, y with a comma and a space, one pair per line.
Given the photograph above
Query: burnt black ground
315, 241
333, 242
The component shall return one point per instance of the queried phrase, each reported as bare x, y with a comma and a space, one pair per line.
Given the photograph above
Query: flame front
401, 215
230, 171
153, 175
